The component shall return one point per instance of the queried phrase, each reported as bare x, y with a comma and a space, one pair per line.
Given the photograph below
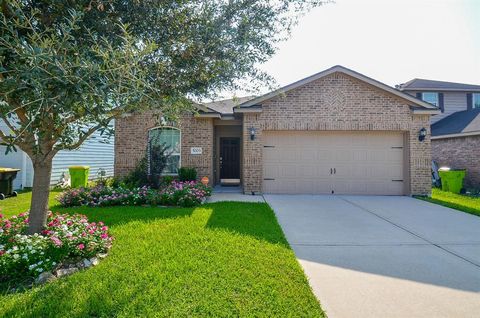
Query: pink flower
104, 236
2, 252
56, 241
81, 246
104, 228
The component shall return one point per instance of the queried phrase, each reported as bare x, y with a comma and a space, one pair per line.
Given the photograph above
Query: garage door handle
334, 171
331, 171
397, 180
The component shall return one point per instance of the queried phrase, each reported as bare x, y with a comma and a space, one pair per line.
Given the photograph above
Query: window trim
477, 95
179, 152
438, 98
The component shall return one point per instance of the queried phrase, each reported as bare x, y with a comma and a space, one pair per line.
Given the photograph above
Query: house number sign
196, 150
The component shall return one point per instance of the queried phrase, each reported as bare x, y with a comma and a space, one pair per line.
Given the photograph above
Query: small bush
167, 180
66, 238
138, 177
185, 194
187, 174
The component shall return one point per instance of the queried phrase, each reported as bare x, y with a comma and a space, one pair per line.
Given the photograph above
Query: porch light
252, 133
422, 134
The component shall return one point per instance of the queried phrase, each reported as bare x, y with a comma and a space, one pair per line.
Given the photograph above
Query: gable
337, 97
259, 101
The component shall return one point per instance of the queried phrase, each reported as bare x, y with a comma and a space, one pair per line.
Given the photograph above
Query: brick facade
131, 137
334, 102
460, 152
338, 102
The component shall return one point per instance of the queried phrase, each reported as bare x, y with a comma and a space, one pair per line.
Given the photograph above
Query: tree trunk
42, 170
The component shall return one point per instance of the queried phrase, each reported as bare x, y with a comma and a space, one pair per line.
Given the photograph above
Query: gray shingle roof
226, 106
419, 84
459, 122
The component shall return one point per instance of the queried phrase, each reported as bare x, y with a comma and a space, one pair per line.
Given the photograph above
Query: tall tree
67, 68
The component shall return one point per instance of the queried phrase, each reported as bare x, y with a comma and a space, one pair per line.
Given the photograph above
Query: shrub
66, 238
186, 194
138, 177
187, 174
167, 180
105, 196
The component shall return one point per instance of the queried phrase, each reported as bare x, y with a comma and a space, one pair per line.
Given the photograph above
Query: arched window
164, 141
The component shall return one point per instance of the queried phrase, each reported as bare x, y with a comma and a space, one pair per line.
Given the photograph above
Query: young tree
67, 68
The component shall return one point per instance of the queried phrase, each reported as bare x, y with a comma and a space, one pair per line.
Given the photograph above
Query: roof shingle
419, 84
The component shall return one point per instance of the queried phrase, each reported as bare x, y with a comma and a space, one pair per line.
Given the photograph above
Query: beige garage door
349, 162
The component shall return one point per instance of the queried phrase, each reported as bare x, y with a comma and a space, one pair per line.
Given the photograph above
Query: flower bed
105, 196
186, 194
66, 240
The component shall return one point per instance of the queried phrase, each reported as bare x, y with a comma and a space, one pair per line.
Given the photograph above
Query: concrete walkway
369, 256
231, 196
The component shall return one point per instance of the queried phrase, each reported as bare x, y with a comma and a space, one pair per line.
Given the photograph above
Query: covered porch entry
228, 152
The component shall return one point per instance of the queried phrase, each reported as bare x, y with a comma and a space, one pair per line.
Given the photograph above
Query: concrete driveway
370, 256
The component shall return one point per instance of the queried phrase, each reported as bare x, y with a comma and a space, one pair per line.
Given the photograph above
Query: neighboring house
456, 131
337, 131
98, 155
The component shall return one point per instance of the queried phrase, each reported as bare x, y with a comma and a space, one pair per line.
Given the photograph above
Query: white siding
93, 153
16, 160
453, 102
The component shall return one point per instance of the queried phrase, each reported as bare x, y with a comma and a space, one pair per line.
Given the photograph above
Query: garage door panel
364, 162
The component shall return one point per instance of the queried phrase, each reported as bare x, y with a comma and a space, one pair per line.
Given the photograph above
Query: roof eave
438, 89
457, 135
248, 109
424, 111
208, 115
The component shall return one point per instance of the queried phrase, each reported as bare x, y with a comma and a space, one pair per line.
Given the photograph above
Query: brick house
456, 130
337, 132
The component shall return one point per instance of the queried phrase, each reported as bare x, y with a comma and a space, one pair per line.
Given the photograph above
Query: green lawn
16, 205
456, 201
220, 259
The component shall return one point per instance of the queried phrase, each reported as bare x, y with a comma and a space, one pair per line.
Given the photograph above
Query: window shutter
441, 102
469, 101
419, 95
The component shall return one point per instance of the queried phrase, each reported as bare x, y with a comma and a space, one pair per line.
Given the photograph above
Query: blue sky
392, 41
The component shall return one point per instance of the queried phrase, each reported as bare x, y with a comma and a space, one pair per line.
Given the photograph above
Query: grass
459, 202
221, 259
21, 203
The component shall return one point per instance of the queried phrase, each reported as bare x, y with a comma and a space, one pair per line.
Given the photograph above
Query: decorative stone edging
68, 269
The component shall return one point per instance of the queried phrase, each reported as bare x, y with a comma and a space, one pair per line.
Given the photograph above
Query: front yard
220, 259
460, 202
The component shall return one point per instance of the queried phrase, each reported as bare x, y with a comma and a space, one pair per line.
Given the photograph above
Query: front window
164, 141
431, 98
476, 100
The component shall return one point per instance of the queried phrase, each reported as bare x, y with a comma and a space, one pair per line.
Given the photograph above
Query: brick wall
131, 136
462, 152
338, 102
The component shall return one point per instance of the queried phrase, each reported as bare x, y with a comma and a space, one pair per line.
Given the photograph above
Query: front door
229, 160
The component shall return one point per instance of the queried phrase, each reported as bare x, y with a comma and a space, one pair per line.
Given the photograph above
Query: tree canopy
67, 68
